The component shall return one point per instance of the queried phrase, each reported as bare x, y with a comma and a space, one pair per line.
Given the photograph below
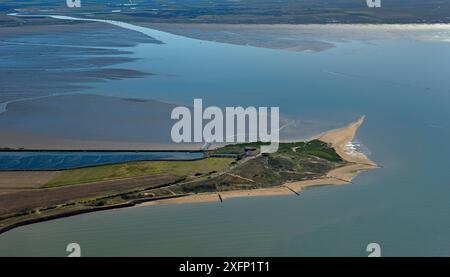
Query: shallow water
403, 88
54, 160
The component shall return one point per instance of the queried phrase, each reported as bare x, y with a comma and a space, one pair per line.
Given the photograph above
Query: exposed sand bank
338, 138
304, 37
341, 138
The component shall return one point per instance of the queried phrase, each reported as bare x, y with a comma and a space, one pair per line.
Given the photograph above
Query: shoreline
440, 25
129, 204
338, 138
307, 38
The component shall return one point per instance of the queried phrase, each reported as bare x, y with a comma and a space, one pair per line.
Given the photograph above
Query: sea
401, 85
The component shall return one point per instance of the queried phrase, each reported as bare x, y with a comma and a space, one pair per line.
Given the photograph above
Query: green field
134, 169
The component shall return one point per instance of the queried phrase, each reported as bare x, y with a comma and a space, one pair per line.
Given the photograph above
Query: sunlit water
403, 88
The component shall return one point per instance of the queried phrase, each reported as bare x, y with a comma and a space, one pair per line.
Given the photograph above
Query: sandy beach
338, 138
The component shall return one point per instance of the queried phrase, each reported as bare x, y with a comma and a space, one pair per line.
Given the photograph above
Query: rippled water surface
401, 85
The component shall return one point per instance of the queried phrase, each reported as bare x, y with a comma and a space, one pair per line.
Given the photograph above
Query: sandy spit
339, 139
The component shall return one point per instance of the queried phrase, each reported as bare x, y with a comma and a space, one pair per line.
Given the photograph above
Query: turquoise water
403, 88
58, 160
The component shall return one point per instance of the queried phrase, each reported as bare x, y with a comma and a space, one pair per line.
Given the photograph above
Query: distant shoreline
301, 37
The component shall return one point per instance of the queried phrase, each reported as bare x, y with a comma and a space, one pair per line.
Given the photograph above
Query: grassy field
315, 148
134, 169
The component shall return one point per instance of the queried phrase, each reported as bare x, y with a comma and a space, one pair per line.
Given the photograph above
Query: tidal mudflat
403, 206
98, 122
43, 60
305, 38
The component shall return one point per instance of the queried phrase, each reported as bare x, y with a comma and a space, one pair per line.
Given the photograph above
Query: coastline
303, 37
338, 138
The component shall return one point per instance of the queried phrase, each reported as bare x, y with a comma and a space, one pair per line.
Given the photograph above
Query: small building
251, 151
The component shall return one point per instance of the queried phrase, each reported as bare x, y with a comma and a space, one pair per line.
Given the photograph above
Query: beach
338, 138
31, 187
